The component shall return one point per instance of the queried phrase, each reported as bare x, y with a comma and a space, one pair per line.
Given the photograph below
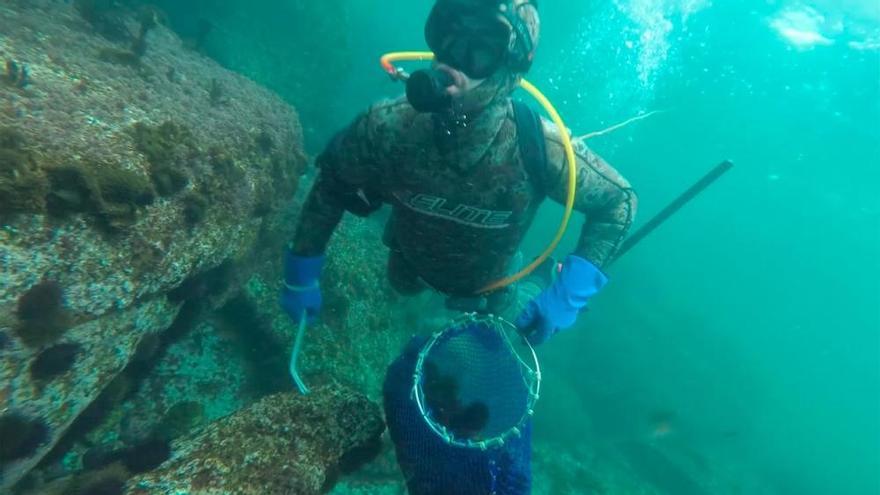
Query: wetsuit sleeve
604, 197
349, 179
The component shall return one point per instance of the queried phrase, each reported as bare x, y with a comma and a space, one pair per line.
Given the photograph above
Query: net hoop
532, 371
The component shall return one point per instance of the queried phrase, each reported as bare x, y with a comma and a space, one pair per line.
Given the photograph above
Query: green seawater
737, 347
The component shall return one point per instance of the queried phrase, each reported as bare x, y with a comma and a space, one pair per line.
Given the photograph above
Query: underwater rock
103, 347
173, 400
54, 361
363, 324
285, 443
111, 190
21, 436
41, 314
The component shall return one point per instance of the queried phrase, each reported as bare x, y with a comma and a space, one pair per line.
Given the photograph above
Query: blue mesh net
430, 465
473, 383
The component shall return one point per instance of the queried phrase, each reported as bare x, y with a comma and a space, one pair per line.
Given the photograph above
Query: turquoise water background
751, 320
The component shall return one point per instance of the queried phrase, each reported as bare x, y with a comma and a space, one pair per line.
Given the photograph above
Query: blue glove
301, 292
557, 307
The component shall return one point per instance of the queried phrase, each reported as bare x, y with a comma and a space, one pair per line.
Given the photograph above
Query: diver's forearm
599, 241
320, 215
604, 233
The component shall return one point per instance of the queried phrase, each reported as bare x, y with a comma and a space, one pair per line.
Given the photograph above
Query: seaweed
41, 314
159, 143
162, 146
223, 164
54, 361
21, 436
113, 195
121, 192
71, 190
167, 179
124, 187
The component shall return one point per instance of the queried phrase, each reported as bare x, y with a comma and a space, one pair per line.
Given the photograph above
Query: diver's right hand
301, 294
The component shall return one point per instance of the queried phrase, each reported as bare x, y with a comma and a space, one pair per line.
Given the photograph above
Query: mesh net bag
458, 406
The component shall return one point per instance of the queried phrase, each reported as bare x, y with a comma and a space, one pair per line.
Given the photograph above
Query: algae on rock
284, 443
97, 162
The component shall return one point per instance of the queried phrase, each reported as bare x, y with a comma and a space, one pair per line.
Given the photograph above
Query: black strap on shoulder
532, 147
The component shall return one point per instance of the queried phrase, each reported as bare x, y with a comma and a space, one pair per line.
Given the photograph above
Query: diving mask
478, 37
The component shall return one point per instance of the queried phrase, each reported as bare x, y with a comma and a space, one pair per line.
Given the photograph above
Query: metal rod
673, 207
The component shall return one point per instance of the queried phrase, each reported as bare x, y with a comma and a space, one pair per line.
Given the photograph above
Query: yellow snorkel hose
388, 61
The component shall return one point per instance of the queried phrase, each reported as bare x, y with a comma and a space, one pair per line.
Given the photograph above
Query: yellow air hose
388, 64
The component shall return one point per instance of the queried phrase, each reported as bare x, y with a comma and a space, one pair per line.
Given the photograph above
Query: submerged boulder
126, 193
284, 443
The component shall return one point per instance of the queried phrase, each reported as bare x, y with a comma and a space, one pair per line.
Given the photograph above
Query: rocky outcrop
136, 178
285, 443
363, 325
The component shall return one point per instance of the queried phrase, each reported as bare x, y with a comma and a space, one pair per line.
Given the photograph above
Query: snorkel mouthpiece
426, 90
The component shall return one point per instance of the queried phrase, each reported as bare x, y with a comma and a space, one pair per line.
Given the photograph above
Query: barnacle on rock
21, 437
54, 361
41, 314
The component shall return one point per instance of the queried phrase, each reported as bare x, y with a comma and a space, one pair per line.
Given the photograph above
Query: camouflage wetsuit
461, 196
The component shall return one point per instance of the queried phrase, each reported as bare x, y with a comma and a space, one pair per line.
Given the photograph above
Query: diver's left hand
557, 307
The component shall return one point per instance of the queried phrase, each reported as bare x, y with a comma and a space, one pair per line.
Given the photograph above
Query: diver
464, 168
